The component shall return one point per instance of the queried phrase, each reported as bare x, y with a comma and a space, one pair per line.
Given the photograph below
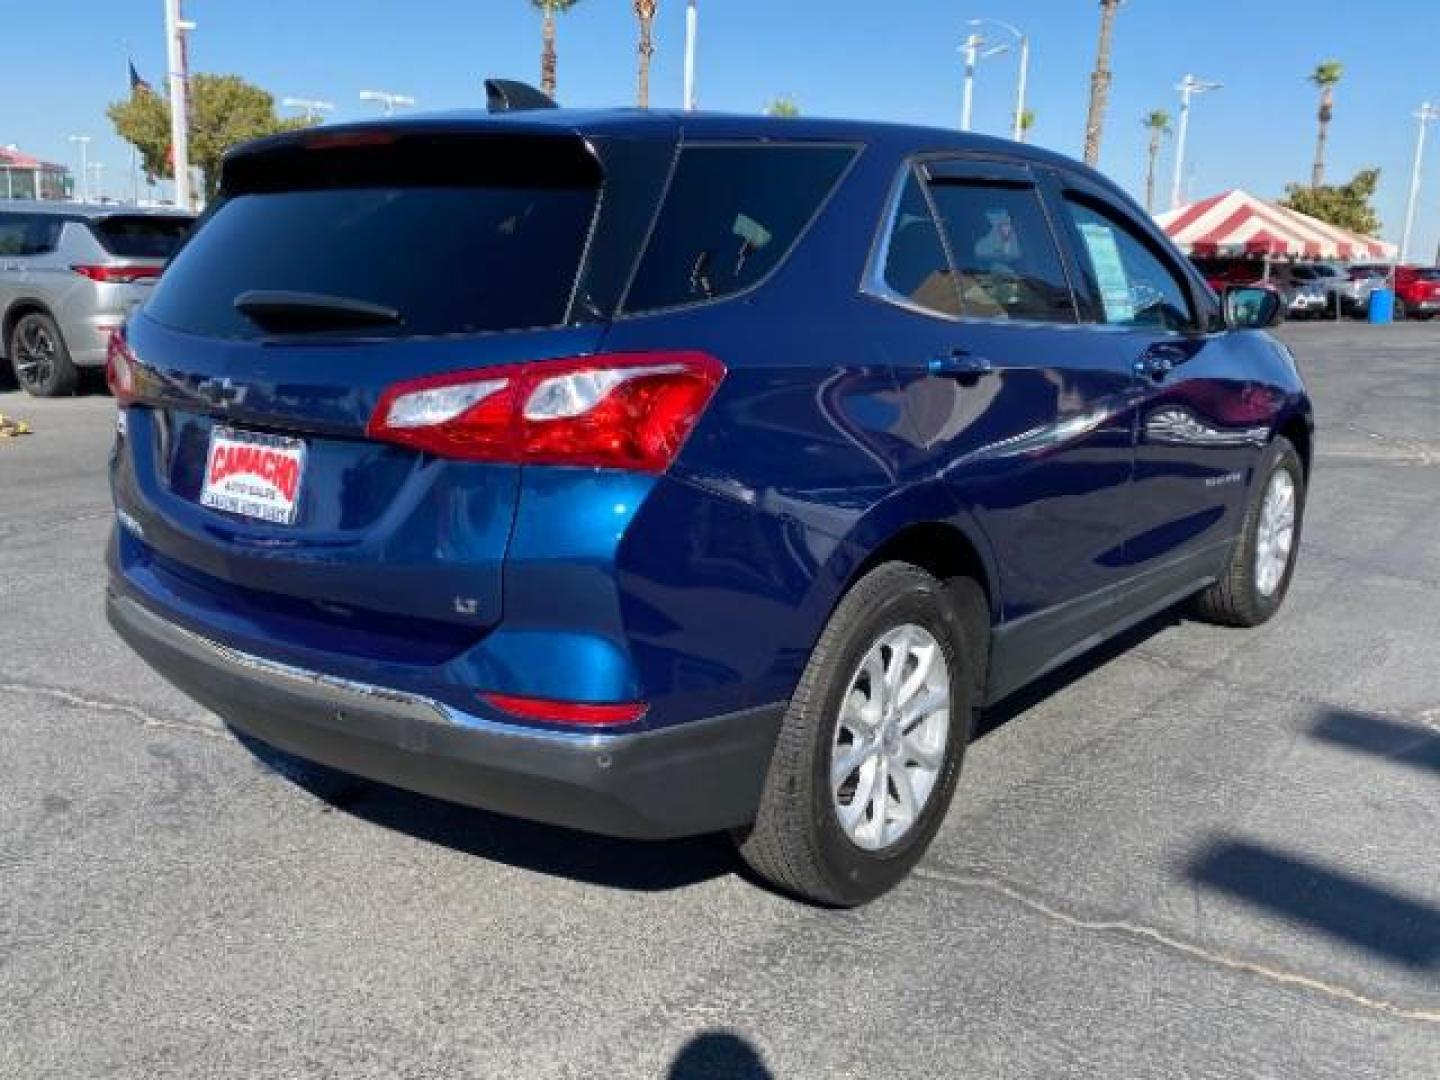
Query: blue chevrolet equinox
659, 474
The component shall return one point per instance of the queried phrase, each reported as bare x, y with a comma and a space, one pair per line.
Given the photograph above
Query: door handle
960, 364
1158, 361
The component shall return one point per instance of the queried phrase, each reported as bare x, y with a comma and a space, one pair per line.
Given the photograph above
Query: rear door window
731, 215
916, 268
1005, 255
140, 236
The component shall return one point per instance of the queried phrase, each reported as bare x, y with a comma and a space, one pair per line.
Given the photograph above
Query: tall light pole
388, 101
1425, 115
692, 31
1017, 129
975, 49
310, 108
1189, 87
84, 143
175, 30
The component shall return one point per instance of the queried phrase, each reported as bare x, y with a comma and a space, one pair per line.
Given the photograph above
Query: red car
1417, 291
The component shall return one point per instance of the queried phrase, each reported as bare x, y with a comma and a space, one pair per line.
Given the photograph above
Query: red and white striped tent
1239, 225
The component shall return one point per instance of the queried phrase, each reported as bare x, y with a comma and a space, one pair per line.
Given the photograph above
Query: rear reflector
118, 275
567, 712
621, 410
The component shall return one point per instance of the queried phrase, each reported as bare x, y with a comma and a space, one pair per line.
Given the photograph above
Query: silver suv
70, 274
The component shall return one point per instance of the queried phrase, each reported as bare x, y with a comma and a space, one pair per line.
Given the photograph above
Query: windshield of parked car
137, 236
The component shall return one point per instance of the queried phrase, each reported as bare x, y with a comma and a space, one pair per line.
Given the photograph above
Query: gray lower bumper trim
683, 780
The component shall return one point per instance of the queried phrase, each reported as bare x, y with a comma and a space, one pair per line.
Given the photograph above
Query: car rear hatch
336, 265
136, 248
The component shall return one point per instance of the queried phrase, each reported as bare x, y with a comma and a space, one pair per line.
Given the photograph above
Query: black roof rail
511, 95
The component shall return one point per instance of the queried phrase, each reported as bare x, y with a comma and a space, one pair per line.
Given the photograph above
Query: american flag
137, 84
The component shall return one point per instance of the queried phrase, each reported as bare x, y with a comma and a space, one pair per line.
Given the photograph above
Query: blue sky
64, 60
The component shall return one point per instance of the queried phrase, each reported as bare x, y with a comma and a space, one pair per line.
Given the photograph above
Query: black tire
797, 842
39, 357
1236, 598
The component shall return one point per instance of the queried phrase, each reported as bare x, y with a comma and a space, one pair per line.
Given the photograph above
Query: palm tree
782, 106
549, 9
1326, 76
645, 14
1027, 121
1100, 82
1158, 124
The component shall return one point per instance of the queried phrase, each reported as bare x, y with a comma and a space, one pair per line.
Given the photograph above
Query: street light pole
1017, 129
175, 30
692, 30
1189, 87
975, 51
309, 107
1425, 115
971, 49
84, 143
388, 101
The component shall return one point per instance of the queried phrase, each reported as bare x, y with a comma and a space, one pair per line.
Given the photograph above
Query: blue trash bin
1382, 306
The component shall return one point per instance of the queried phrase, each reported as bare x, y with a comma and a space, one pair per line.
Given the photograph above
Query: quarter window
29, 234
1005, 255
916, 267
1134, 287
731, 215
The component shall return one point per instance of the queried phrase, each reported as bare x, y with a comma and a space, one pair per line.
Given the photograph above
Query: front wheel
41, 361
871, 746
1255, 582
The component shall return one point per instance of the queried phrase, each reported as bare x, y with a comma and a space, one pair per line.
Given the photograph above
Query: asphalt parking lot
1205, 853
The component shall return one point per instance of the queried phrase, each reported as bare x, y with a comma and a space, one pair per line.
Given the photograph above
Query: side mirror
1251, 308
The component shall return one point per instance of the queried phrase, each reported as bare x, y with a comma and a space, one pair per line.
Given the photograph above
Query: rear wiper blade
297, 312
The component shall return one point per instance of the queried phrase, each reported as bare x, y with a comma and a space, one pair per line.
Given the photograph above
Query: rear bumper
692, 778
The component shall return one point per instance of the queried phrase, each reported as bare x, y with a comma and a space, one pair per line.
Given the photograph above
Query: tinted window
449, 260
141, 237
730, 216
29, 234
916, 266
1005, 254
1135, 288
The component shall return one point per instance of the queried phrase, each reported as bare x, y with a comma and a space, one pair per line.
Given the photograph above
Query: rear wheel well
1298, 432
946, 553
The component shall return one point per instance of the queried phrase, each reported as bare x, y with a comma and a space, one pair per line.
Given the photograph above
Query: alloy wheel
1275, 534
34, 353
891, 737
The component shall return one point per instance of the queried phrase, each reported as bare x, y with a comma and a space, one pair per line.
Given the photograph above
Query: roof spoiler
510, 95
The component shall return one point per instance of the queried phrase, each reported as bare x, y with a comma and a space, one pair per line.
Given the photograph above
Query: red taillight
567, 712
118, 275
622, 411
120, 368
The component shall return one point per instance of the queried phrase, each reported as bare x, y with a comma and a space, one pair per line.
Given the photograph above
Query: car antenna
511, 95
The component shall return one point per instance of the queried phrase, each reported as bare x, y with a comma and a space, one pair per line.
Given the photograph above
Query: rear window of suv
141, 236
731, 215
456, 236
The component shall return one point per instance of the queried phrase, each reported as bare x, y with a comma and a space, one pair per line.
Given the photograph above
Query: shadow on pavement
640, 866
1404, 744
1026, 698
1402, 930
718, 1055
